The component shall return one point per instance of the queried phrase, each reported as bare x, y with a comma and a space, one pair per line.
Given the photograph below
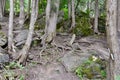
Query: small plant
11, 75
14, 65
82, 27
90, 68
21, 77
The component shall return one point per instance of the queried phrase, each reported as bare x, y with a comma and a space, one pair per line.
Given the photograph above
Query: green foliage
21, 77
90, 68
17, 6
11, 75
101, 23
65, 13
83, 27
13, 65
42, 6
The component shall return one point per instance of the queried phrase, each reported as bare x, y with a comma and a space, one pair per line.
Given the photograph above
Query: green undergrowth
91, 68
83, 27
10, 74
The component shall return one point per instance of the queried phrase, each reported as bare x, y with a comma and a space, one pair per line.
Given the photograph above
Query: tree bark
73, 14
28, 9
111, 24
96, 17
118, 14
69, 9
48, 8
52, 20
2, 6
1, 15
24, 52
22, 15
10, 32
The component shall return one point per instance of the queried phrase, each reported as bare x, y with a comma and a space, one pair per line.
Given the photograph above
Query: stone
71, 60
21, 37
4, 57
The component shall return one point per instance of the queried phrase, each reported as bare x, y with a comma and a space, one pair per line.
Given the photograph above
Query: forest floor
60, 58
53, 63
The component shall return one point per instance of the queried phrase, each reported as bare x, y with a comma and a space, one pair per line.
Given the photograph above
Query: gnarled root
22, 56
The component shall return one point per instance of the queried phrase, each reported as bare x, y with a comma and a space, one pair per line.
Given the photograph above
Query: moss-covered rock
92, 69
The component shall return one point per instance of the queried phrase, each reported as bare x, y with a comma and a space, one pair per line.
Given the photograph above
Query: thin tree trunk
51, 29
22, 15
10, 32
69, 9
96, 17
24, 52
3, 6
1, 13
118, 18
48, 8
112, 39
73, 14
28, 9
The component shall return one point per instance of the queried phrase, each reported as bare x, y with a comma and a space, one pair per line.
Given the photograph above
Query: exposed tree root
22, 56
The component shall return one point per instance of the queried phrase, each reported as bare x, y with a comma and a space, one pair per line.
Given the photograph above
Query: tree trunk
10, 32
96, 17
22, 15
48, 8
28, 9
23, 54
1, 10
69, 9
2, 7
112, 39
73, 14
52, 20
118, 18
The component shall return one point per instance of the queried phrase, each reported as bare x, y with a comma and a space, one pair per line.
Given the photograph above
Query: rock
21, 37
51, 71
67, 76
4, 57
30, 57
71, 60
3, 39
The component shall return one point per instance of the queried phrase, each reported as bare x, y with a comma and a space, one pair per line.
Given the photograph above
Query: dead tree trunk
22, 15
114, 63
23, 54
96, 17
10, 31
